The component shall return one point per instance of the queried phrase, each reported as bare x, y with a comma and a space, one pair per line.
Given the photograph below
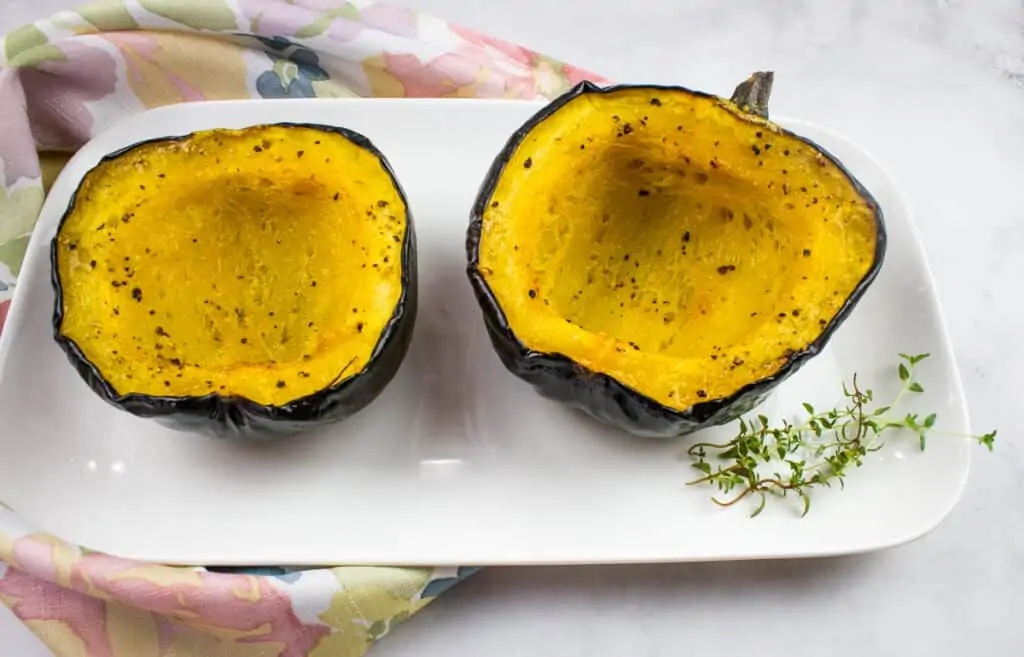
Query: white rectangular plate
457, 462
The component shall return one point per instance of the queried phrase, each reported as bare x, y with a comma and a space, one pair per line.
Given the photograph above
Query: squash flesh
672, 242
261, 263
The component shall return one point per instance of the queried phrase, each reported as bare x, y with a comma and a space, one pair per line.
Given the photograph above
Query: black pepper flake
807, 253
644, 192
528, 163
337, 196
160, 175
626, 129
312, 283
167, 384
725, 269
795, 312
758, 134
756, 149
494, 204
656, 102
533, 294
300, 154
258, 149
92, 264
781, 315
747, 222
785, 151
701, 178
304, 375
116, 283
686, 237
244, 340
280, 384
161, 332
702, 394
382, 204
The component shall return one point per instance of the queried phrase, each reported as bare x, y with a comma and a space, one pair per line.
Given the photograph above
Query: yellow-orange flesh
672, 242
262, 263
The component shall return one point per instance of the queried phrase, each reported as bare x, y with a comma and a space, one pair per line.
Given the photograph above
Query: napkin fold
65, 78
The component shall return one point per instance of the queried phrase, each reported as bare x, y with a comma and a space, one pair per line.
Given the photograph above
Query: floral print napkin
64, 79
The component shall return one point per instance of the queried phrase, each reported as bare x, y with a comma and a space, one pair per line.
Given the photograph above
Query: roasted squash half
252, 282
662, 258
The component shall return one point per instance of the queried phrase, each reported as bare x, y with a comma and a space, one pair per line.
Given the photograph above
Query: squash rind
225, 416
599, 395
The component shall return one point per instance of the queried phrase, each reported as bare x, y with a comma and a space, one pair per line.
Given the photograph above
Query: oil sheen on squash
672, 242
263, 263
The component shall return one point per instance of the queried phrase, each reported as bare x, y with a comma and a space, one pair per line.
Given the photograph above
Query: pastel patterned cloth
64, 79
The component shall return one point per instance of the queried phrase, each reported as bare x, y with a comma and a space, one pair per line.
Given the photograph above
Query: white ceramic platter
457, 462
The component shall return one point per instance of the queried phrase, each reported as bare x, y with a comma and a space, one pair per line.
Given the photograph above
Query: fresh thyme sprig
795, 458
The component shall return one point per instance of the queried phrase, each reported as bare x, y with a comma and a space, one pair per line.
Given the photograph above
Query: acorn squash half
250, 283
662, 258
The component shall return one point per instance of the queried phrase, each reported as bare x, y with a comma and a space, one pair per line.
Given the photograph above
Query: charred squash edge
558, 377
234, 416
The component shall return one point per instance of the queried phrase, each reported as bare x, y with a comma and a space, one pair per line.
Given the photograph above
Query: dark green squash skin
600, 396
240, 418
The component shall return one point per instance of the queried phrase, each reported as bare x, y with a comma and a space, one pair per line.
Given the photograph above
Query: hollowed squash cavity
671, 241
264, 264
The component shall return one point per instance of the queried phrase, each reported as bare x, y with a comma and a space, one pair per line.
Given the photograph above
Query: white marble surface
935, 90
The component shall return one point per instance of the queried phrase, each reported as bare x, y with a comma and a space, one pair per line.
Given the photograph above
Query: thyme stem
817, 452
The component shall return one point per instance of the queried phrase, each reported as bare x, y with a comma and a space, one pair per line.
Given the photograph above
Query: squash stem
752, 94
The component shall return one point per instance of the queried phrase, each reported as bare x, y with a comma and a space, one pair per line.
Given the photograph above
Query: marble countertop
934, 89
